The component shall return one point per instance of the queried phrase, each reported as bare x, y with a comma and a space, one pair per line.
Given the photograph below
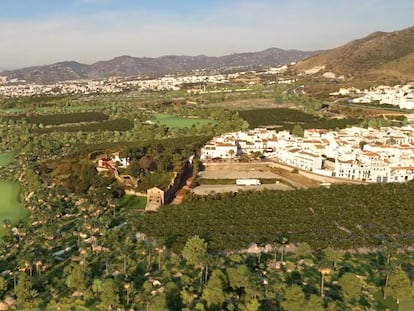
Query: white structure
248, 182
398, 95
374, 155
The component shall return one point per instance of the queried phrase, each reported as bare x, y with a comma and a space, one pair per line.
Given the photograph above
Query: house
301, 159
401, 173
105, 164
155, 198
223, 150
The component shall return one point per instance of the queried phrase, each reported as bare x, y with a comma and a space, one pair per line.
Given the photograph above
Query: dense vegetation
63, 118
345, 216
86, 244
286, 119
109, 125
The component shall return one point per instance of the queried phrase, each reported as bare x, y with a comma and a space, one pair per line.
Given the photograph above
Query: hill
379, 55
125, 66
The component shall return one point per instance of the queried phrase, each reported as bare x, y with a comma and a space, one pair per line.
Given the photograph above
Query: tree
238, 277
213, 292
351, 286
159, 302
23, 290
282, 241
195, 251
3, 286
333, 256
109, 295
294, 299
324, 271
297, 130
172, 292
75, 277
147, 164
251, 305
399, 285
97, 286
314, 303
303, 250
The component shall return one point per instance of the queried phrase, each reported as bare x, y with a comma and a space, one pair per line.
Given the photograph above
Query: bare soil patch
288, 180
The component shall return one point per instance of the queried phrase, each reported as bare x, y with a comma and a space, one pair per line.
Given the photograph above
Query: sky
40, 32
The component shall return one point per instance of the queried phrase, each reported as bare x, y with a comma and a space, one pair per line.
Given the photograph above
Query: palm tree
282, 241
324, 271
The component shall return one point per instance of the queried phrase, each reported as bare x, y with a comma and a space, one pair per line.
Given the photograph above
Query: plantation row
269, 116
135, 149
64, 118
288, 118
109, 125
346, 217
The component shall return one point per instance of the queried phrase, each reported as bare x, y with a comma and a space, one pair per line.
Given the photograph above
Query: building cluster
373, 155
74, 87
397, 95
112, 85
197, 80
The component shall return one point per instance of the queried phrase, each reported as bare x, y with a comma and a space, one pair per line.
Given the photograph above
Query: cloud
235, 26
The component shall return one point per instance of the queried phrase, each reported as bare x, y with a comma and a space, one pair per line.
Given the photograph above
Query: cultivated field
284, 179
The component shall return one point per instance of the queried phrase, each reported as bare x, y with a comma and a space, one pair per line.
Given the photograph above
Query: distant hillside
133, 66
379, 54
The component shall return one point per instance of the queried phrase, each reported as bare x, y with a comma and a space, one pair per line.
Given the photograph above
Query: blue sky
37, 32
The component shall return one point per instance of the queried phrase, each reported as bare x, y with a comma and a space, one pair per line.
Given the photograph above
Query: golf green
10, 206
6, 158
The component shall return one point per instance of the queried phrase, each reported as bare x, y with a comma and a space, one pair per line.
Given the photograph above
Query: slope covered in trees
344, 216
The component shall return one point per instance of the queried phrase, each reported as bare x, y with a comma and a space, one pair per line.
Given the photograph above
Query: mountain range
378, 55
124, 66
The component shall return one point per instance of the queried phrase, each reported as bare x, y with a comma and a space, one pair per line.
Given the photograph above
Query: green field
407, 305
172, 121
131, 201
6, 158
10, 207
13, 110
286, 119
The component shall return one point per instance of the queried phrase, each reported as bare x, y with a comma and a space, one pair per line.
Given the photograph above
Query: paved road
298, 90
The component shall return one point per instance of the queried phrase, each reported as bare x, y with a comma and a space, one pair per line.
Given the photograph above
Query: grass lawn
13, 110
10, 207
407, 305
6, 158
132, 201
387, 304
172, 121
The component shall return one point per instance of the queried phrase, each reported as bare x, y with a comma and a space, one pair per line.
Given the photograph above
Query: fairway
172, 121
6, 158
10, 207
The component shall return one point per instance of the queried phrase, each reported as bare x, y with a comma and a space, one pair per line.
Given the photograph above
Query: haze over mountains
380, 54
124, 66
